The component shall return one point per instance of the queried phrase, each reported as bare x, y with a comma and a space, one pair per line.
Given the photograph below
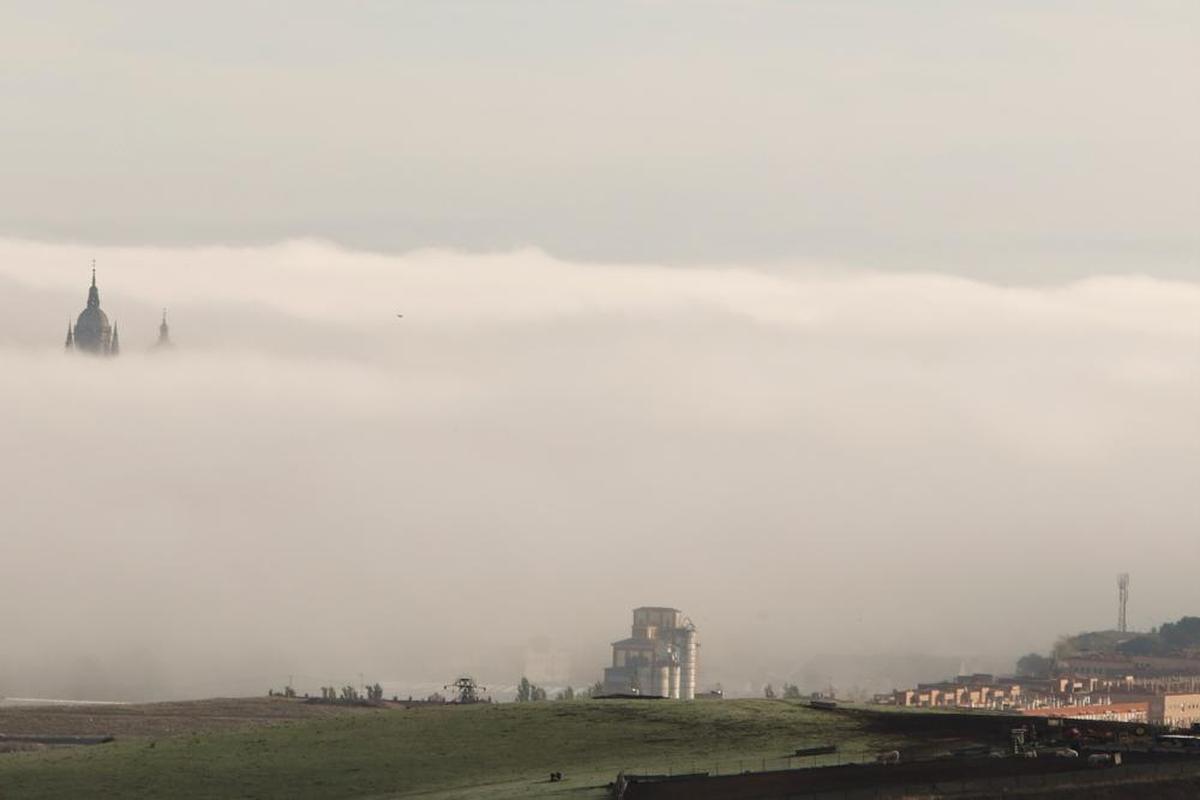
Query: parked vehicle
1100, 760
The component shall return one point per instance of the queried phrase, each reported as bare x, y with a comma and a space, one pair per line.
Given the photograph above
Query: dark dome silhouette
92, 332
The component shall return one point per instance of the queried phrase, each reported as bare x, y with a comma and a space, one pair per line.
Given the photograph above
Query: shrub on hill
528, 692
1170, 638
1182, 634
1034, 665
1147, 645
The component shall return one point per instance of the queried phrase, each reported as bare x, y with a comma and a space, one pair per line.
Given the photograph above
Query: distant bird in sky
400, 315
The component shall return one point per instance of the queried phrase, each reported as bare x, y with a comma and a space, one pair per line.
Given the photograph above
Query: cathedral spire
70, 345
92, 332
93, 300
114, 347
164, 332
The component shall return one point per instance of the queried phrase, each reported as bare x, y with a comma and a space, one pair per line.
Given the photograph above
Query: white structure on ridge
658, 660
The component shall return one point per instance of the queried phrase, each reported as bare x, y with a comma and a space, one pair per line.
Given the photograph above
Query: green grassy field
489, 751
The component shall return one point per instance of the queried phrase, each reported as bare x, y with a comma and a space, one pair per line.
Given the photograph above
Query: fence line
988, 787
738, 766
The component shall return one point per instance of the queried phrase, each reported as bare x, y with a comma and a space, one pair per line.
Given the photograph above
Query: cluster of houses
966, 691
1170, 701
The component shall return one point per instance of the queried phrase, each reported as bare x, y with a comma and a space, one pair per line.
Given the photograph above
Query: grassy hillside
488, 751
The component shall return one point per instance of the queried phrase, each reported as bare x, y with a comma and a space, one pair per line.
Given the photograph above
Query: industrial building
658, 659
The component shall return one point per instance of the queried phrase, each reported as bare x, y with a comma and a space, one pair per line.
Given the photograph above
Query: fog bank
807, 461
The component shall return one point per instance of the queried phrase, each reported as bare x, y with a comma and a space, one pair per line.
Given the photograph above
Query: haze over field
820, 462
846, 328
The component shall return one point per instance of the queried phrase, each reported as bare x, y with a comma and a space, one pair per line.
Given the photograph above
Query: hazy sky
1016, 141
845, 327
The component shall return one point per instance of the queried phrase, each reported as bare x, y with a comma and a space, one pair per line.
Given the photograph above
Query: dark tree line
349, 694
528, 692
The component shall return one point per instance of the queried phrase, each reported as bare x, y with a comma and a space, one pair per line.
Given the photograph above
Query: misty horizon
310, 485
866, 335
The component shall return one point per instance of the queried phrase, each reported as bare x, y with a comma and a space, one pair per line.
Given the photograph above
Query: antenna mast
1122, 600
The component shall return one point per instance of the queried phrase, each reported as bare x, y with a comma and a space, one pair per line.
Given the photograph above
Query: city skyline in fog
852, 330
309, 484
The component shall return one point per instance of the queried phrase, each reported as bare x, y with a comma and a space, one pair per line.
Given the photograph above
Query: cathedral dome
93, 333
92, 326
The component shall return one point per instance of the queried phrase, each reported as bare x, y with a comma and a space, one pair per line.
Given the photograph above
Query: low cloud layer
806, 461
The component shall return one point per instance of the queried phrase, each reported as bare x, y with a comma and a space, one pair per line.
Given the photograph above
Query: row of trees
1170, 638
349, 694
1034, 665
528, 692
790, 691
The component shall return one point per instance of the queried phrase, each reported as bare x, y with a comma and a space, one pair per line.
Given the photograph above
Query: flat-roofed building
1130, 711
1175, 710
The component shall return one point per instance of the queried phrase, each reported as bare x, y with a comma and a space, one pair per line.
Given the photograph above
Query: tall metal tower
468, 690
1122, 600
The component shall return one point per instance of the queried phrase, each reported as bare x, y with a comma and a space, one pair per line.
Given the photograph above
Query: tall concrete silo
662, 681
687, 678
